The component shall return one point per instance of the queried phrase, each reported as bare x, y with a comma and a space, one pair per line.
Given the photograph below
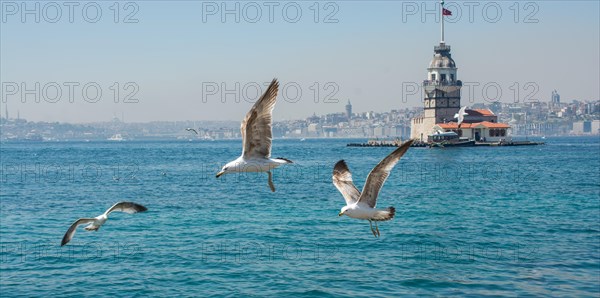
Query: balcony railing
441, 48
442, 83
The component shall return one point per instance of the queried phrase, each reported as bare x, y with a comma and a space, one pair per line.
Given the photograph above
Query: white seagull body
256, 139
461, 115
362, 205
95, 223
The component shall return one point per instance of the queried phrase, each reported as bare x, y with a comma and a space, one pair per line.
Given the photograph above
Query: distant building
313, 119
586, 127
555, 99
349, 110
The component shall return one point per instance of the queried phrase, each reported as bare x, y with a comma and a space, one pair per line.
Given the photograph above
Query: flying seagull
362, 205
256, 139
98, 221
191, 129
461, 115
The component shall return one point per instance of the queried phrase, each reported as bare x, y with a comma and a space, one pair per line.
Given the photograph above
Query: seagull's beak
220, 173
340, 214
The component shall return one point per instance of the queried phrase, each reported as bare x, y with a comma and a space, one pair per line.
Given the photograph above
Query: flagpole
442, 12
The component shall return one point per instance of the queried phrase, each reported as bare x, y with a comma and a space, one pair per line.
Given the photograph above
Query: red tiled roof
454, 125
480, 112
484, 124
494, 124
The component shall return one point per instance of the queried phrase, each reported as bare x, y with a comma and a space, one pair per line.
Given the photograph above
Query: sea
475, 222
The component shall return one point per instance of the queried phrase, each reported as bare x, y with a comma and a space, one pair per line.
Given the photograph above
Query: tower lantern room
442, 67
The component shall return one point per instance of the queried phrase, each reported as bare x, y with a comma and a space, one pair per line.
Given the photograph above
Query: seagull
191, 129
256, 139
98, 221
362, 205
461, 115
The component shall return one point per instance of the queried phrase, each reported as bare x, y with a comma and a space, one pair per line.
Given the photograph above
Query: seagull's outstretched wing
191, 129
461, 114
457, 113
380, 173
256, 127
71, 231
342, 179
128, 207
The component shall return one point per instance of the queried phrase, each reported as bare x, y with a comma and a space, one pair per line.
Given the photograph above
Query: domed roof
440, 60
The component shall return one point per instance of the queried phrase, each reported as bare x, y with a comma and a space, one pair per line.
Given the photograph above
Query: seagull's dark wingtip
285, 159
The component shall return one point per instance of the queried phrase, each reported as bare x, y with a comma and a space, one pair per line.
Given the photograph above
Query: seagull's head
228, 168
344, 209
222, 171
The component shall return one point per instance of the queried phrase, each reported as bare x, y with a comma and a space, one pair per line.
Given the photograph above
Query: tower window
443, 77
433, 76
452, 77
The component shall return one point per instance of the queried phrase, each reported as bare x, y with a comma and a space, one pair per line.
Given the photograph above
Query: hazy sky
179, 59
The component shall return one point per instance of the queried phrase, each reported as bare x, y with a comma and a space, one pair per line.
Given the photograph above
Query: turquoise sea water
513, 221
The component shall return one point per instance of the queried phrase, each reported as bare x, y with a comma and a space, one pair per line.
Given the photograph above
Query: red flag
446, 12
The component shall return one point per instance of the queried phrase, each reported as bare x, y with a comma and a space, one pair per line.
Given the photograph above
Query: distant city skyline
553, 118
176, 61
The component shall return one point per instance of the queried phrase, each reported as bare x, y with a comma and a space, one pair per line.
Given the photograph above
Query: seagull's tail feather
385, 214
284, 160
